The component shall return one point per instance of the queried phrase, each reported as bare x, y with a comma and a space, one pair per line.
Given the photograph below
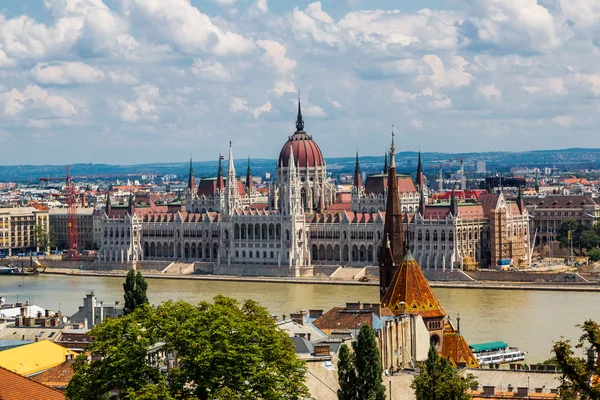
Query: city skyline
132, 82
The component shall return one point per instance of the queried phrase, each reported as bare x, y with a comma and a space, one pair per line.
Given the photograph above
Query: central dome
306, 151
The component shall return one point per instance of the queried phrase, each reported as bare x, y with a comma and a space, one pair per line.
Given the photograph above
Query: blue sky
134, 81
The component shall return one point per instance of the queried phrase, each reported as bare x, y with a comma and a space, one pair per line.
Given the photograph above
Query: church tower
420, 178
191, 186
232, 195
392, 248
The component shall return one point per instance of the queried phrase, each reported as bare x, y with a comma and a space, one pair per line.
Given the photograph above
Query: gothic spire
537, 182
357, 176
393, 228
220, 182
419, 179
422, 203
520, 200
130, 204
191, 180
108, 203
249, 183
453, 204
299, 121
385, 162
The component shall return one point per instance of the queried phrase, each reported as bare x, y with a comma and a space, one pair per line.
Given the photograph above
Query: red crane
71, 194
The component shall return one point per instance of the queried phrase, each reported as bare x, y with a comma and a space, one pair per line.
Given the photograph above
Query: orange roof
57, 377
456, 349
410, 286
17, 387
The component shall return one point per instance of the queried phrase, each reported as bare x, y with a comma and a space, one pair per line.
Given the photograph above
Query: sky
142, 81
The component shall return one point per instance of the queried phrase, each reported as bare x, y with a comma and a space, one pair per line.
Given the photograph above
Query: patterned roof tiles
410, 286
456, 349
17, 387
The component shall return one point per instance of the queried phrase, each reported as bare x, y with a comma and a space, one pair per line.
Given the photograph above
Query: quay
491, 285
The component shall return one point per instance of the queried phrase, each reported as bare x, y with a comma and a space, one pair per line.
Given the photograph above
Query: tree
224, 351
580, 375
369, 380
588, 239
360, 372
346, 375
594, 255
438, 380
135, 291
41, 237
562, 232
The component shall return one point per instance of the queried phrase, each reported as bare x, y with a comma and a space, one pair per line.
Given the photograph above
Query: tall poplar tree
360, 374
135, 287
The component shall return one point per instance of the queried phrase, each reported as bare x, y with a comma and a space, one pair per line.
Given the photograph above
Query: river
529, 319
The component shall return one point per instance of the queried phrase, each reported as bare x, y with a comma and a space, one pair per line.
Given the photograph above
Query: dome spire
299, 121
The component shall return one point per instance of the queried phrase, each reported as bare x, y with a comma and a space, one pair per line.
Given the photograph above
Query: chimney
539, 390
522, 391
353, 306
315, 313
376, 307
510, 388
44, 322
489, 390
22, 337
48, 313
24, 311
29, 321
39, 314
283, 317
37, 338
297, 317
18, 321
308, 336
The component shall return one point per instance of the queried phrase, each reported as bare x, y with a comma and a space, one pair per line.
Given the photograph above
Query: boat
496, 353
10, 270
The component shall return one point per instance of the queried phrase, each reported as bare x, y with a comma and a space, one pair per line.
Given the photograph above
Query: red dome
306, 151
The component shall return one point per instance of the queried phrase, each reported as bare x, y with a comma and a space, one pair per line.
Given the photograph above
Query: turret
453, 204
108, 206
231, 191
249, 183
419, 178
299, 120
220, 181
422, 204
385, 163
537, 182
520, 203
131, 204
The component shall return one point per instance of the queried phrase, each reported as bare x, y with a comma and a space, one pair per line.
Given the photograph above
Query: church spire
385, 162
249, 183
453, 204
537, 182
108, 207
220, 181
191, 180
422, 203
393, 228
357, 176
299, 121
419, 179
520, 203
131, 204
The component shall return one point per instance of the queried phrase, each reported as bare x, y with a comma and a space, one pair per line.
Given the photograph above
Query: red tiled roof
456, 349
339, 318
489, 202
410, 286
17, 387
306, 151
57, 377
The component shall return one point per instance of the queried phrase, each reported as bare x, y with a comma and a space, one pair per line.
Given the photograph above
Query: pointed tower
537, 182
385, 163
422, 204
220, 181
131, 204
191, 186
392, 249
453, 204
358, 184
419, 178
299, 120
232, 194
249, 183
520, 203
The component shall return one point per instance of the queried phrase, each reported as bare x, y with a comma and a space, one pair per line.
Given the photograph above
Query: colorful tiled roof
410, 286
35, 357
456, 349
377, 184
17, 387
56, 377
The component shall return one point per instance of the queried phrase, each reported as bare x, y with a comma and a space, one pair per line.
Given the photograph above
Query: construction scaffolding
506, 244
71, 195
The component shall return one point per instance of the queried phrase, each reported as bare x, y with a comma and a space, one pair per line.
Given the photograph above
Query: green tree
369, 380
224, 351
438, 380
594, 255
580, 375
562, 232
588, 239
135, 287
346, 375
41, 237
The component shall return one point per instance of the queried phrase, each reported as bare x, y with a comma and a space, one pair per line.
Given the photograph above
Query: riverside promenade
542, 286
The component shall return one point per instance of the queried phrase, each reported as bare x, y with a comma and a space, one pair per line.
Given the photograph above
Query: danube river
528, 319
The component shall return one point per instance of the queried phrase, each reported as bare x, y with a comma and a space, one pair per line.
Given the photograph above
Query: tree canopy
581, 375
224, 350
581, 236
41, 237
438, 380
360, 372
135, 287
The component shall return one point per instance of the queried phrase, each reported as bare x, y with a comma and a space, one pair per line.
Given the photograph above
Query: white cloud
274, 55
66, 73
38, 101
241, 105
212, 71
182, 25
283, 87
563, 121
142, 107
262, 5
490, 91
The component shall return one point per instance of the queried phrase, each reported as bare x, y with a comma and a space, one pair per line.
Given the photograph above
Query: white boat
496, 353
